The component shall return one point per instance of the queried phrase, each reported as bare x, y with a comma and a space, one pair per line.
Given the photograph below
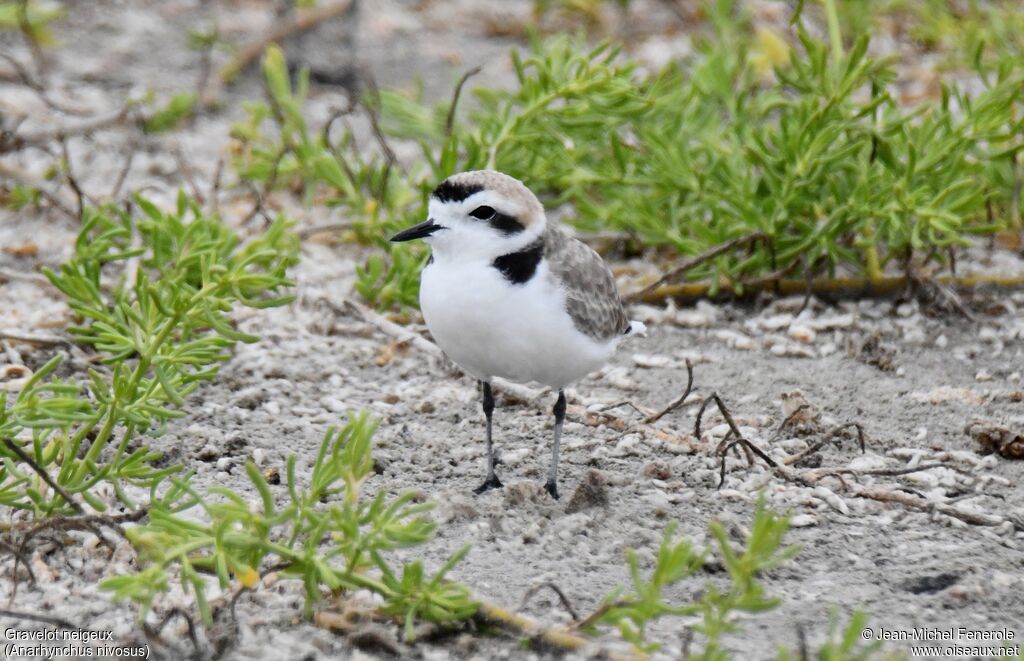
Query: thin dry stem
674, 404
692, 263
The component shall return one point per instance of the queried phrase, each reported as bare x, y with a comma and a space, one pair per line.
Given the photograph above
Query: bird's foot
492, 482
552, 488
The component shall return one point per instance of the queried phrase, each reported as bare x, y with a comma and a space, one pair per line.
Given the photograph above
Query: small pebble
791, 350
793, 445
923, 478
651, 361
692, 318
867, 462
802, 333
591, 492
659, 499
515, 457
333, 405
628, 445
777, 322
658, 470
803, 521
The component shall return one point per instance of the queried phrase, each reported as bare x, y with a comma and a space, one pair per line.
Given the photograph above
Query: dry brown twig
564, 600
925, 505
42, 137
187, 172
449, 122
47, 524
153, 631
42, 619
22, 75
831, 288
677, 402
352, 620
361, 633
86, 522
224, 637
325, 133
734, 432
218, 176
58, 200
79, 522
36, 340
133, 148
69, 176
41, 472
831, 434
259, 205
642, 410
769, 280
556, 637
692, 263
814, 477
29, 33
787, 421
373, 113
818, 473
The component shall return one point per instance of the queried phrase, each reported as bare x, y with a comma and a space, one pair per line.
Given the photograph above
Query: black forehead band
453, 191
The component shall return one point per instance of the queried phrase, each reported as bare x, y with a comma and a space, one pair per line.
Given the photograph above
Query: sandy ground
912, 378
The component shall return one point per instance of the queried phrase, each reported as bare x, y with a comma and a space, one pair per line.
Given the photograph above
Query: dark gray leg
492, 481
552, 484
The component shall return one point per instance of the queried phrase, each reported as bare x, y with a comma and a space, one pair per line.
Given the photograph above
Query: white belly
490, 327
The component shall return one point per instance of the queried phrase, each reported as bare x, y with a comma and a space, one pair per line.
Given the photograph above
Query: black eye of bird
483, 213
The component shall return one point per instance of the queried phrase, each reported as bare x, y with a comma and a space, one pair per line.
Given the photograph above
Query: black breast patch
519, 267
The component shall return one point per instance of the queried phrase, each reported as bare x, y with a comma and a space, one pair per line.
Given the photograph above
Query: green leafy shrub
326, 535
847, 643
377, 197
152, 294
178, 108
961, 32
819, 157
19, 196
712, 611
32, 17
825, 162
678, 560
152, 291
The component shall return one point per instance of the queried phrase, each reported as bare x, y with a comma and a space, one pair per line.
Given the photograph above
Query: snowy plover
508, 294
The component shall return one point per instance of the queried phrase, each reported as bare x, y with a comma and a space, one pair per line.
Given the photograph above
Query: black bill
424, 229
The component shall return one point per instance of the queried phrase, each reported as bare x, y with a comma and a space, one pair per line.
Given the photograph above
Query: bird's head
480, 214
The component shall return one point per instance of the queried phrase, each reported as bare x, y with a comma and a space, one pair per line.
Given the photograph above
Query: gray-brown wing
592, 299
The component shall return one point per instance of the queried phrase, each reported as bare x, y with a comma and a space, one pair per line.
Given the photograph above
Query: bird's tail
637, 328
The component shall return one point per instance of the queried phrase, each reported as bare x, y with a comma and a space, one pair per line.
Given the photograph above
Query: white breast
491, 327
